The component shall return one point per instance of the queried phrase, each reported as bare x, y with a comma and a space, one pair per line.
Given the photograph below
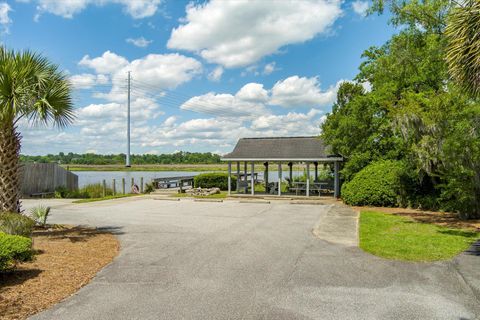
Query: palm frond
463, 51
34, 88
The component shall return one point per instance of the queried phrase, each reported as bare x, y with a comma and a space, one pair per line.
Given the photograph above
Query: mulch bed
68, 258
445, 219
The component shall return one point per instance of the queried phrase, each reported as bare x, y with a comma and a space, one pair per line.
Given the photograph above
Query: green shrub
14, 249
40, 215
94, 191
16, 224
61, 192
149, 188
378, 184
87, 192
214, 180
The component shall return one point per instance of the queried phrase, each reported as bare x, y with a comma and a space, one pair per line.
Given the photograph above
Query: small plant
95, 191
14, 249
149, 188
16, 224
40, 215
61, 192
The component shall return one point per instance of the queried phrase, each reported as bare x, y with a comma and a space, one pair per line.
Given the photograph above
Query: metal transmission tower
127, 162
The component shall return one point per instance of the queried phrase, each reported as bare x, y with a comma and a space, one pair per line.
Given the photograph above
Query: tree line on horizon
180, 157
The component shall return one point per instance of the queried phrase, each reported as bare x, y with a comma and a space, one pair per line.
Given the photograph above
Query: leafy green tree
413, 112
463, 52
461, 163
32, 89
358, 129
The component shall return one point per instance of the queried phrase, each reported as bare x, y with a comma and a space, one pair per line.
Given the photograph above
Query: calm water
90, 177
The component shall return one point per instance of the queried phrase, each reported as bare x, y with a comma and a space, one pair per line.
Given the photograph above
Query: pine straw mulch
67, 259
445, 219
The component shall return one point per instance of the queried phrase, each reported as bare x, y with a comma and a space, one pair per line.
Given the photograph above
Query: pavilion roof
281, 149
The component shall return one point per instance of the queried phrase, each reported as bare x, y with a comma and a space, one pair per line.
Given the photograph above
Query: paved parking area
231, 260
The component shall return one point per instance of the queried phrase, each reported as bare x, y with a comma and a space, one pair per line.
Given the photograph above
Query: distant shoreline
147, 167
223, 167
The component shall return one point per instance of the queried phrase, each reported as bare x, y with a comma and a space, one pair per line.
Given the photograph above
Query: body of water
91, 177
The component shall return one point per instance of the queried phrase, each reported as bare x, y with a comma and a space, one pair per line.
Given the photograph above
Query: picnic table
300, 186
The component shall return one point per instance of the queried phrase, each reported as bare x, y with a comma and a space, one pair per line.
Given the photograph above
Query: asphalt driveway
231, 260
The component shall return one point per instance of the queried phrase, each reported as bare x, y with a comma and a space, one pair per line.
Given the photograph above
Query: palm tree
463, 51
32, 90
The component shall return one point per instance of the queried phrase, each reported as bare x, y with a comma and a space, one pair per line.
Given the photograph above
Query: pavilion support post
337, 179
252, 178
316, 170
229, 178
238, 176
245, 176
290, 169
280, 179
265, 177
308, 179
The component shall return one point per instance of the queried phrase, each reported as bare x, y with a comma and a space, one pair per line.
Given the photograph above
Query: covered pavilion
280, 150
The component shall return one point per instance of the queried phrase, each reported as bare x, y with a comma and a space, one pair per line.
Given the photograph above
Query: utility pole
127, 164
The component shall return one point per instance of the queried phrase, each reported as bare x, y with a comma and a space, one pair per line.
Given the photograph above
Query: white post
238, 177
252, 178
337, 180
279, 179
308, 179
229, 178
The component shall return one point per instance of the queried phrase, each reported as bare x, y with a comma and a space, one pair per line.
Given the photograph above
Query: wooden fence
46, 177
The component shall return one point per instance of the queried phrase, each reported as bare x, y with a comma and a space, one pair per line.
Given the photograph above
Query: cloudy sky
203, 73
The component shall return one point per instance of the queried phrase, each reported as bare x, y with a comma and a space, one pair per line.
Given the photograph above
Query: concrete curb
167, 199
339, 226
310, 202
254, 201
207, 200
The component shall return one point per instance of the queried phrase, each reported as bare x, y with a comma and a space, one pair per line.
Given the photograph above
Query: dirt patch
68, 258
446, 219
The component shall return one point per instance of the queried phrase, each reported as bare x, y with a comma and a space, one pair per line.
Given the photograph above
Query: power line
174, 103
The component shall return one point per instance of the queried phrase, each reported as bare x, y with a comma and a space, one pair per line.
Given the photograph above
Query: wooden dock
173, 182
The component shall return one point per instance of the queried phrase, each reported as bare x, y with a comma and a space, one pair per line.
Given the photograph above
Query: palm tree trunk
9, 168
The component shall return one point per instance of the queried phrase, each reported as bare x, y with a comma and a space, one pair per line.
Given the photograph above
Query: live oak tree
414, 112
32, 91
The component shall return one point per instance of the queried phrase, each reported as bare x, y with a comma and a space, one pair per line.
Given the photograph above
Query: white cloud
223, 105
360, 7
269, 68
252, 99
139, 42
157, 70
253, 92
298, 91
87, 80
137, 9
108, 63
239, 33
164, 70
216, 74
5, 20
292, 123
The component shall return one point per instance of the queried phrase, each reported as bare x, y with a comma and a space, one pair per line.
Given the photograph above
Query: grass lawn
105, 198
401, 238
221, 195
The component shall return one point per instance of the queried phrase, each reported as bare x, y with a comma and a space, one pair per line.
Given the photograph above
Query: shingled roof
281, 149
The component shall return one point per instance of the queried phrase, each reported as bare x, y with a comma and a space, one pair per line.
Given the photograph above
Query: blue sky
204, 73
